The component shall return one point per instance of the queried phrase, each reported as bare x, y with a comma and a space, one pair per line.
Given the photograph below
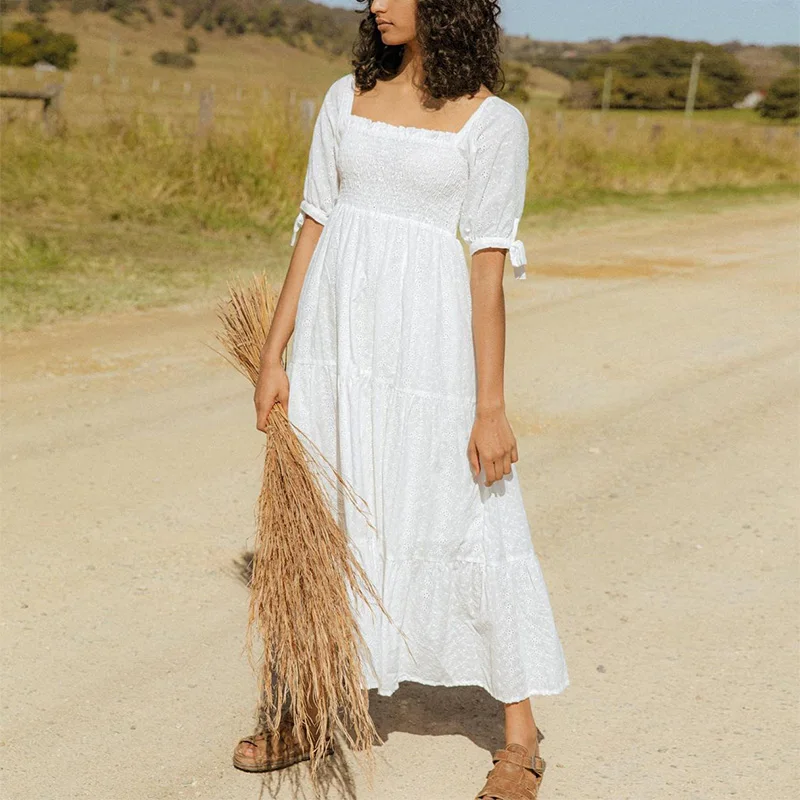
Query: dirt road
652, 383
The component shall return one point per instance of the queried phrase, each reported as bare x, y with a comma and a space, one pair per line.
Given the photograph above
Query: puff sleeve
495, 197
321, 186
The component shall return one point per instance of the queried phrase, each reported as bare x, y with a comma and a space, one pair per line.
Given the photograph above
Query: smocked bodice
405, 172
471, 181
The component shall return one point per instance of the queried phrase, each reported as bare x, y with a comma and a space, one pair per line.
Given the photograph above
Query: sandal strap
534, 763
498, 788
512, 758
253, 739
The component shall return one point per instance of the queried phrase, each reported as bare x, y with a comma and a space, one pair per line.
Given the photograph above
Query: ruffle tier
451, 558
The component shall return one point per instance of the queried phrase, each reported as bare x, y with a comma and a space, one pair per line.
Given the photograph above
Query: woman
396, 370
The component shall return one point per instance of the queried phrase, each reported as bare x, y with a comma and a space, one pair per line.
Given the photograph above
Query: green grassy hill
762, 63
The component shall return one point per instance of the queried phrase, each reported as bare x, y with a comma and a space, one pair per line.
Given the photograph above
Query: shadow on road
440, 711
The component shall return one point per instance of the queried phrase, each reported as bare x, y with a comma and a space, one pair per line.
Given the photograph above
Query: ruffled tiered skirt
382, 380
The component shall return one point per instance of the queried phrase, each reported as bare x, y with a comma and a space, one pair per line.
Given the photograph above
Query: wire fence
89, 99
93, 99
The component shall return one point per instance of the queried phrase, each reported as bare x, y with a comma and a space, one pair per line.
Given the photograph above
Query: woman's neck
411, 69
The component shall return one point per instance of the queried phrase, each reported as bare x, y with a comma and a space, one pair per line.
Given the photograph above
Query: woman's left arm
493, 207
492, 445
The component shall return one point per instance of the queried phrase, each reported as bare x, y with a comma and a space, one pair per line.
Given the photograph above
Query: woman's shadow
440, 711
422, 710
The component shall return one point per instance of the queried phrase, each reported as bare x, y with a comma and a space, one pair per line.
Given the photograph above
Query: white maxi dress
382, 381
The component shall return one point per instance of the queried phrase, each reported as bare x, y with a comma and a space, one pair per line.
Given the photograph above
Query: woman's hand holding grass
272, 387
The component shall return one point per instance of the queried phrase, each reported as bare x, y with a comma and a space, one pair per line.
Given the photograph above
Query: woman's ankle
520, 726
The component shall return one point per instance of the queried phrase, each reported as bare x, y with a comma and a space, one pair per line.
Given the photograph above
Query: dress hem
506, 699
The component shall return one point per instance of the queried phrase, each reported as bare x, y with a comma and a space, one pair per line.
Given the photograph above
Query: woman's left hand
492, 445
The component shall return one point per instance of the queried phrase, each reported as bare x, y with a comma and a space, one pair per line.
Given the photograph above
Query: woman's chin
391, 40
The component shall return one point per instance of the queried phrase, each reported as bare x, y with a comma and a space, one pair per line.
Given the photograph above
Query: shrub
271, 21
782, 100
16, 48
192, 45
168, 58
516, 79
39, 7
655, 75
30, 41
582, 94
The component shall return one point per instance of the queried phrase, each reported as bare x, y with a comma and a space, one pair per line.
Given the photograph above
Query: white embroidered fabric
382, 380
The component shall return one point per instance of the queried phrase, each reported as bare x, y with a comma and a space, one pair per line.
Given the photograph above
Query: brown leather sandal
516, 774
274, 750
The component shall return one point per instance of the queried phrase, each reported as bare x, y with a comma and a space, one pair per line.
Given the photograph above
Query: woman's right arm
273, 383
320, 190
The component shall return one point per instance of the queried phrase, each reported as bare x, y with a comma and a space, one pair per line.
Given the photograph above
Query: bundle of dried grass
304, 574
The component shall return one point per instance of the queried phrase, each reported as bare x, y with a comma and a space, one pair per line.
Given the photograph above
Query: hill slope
299, 23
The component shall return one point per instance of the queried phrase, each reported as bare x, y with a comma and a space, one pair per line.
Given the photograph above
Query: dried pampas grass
304, 574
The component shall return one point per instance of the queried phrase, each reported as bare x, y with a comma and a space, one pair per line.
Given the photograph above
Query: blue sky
756, 21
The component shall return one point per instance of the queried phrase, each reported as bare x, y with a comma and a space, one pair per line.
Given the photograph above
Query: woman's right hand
272, 387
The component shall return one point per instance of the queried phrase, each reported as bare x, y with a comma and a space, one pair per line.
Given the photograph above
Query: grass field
129, 207
115, 74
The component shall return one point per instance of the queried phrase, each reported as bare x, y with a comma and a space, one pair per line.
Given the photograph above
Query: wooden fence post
51, 113
308, 110
605, 102
656, 132
205, 114
50, 97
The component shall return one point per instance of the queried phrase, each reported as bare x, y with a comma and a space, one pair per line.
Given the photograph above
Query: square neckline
434, 132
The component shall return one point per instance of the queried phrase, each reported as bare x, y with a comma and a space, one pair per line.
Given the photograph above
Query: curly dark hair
461, 44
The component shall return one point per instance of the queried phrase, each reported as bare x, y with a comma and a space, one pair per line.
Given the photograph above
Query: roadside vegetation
655, 75
782, 101
142, 210
136, 201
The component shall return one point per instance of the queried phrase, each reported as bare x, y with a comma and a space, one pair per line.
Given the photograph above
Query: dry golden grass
577, 155
547, 83
114, 73
304, 573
